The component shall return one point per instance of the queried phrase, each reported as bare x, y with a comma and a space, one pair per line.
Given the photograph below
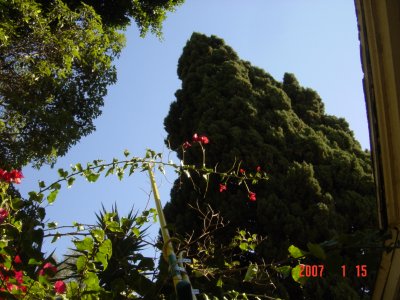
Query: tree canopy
55, 66
148, 15
54, 71
321, 184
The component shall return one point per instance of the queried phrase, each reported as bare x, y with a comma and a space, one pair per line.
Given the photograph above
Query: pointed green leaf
251, 272
52, 225
296, 275
295, 252
70, 181
52, 196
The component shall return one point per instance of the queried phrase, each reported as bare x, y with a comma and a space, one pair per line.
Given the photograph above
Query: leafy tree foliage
148, 15
320, 188
54, 71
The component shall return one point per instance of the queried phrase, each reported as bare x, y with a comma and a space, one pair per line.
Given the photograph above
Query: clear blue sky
316, 40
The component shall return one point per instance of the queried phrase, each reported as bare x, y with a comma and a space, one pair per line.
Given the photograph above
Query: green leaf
220, 282
78, 167
56, 237
244, 246
92, 177
110, 171
136, 232
102, 258
296, 275
284, 270
98, 234
52, 196
106, 248
3, 244
84, 245
120, 173
33, 261
81, 263
70, 181
104, 253
16, 203
251, 272
52, 225
316, 250
37, 197
62, 173
92, 281
126, 153
42, 184
295, 252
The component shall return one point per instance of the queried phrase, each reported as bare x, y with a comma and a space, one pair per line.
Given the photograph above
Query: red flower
46, 268
201, 139
242, 171
60, 287
14, 176
258, 168
11, 286
222, 187
252, 196
3, 214
186, 145
196, 138
17, 259
18, 276
204, 140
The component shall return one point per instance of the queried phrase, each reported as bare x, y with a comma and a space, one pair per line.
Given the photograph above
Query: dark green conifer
320, 186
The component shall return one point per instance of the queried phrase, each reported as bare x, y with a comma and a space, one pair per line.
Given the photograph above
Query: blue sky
316, 40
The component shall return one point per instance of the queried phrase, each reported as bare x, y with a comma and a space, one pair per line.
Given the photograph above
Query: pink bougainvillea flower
252, 196
186, 145
60, 287
222, 187
17, 259
204, 139
11, 286
196, 138
19, 276
201, 139
14, 176
48, 267
3, 214
258, 169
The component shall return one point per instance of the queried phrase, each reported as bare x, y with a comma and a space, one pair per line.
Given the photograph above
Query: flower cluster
60, 287
14, 176
196, 138
49, 269
3, 214
251, 195
12, 279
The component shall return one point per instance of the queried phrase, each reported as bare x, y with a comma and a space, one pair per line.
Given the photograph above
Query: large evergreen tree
320, 186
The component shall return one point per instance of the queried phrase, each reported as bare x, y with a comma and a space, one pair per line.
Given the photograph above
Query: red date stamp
312, 270
318, 270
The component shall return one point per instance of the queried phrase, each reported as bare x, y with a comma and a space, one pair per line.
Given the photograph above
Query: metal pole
182, 287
